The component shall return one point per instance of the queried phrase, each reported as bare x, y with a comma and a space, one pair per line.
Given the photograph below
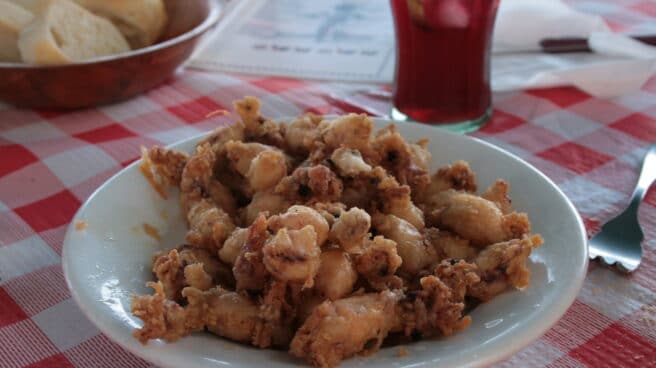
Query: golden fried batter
167, 164
498, 193
350, 131
351, 229
475, 218
349, 162
378, 263
503, 265
293, 255
222, 135
336, 276
311, 184
407, 162
410, 244
439, 303
296, 217
189, 266
263, 202
162, 318
302, 133
343, 328
256, 127
222, 312
458, 176
209, 225
449, 245
396, 200
249, 270
322, 236
232, 246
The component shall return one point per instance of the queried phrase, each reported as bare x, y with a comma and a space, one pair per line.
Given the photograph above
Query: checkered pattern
51, 161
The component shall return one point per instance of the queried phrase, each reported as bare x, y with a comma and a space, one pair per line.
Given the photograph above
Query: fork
619, 241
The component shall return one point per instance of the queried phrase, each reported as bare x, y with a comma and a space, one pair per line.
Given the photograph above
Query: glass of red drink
443, 61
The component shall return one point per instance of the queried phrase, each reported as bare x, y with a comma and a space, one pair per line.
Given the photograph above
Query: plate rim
526, 336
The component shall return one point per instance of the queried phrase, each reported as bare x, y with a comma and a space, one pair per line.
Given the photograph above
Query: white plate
109, 261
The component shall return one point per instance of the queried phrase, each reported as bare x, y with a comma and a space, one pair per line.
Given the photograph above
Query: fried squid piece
336, 276
206, 203
475, 218
395, 199
457, 176
263, 202
503, 265
330, 211
232, 246
189, 266
498, 194
162, 318
437, 307
349, 162
224, 313
351, 229
302, 133
277, 311
378, 263
339, 329
263, 166
222, 135
409, 241
349, 131
249, 270
311, 184
198, 182
407, 162
449, 245
308, 301
209, 226
256, 127
297, 217
162, 167
293, 255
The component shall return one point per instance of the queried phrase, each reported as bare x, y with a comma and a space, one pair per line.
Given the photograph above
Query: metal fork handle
647, 177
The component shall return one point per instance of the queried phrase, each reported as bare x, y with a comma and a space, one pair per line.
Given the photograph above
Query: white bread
140, 21
33, 6
12, 19
65, 32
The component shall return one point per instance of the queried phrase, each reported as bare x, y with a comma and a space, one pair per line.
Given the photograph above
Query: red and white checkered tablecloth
50, 162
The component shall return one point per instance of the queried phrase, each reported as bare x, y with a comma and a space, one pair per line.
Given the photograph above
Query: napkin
618, 65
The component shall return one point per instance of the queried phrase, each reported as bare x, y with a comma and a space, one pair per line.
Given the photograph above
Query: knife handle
574, 44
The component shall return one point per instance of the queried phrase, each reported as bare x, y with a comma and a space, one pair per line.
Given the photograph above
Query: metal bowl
111, 78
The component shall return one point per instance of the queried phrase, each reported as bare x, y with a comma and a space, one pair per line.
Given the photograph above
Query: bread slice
12, 19
33, 6
65, 32
140, 21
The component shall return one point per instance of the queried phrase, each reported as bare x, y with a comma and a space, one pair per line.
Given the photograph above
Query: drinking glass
443, 62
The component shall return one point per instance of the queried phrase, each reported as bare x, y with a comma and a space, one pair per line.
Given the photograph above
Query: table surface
50, 162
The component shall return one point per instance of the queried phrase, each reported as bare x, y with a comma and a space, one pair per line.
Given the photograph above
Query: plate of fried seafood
325, 241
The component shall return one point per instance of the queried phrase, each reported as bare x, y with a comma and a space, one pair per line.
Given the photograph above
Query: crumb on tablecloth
648, 308
151, 231
402, 352
648, 317
81, 225
596, 291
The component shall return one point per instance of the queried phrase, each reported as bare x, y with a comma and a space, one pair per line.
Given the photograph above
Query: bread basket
113, 78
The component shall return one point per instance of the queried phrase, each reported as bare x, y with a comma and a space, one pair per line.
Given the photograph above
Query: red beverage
443, 60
